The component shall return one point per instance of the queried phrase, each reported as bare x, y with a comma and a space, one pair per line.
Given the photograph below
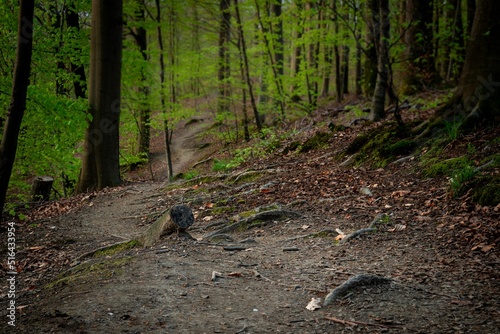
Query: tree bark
380, 14
420, 70
80, 81
20, 83
478, 93
101, 160
224, 66
246, 72
140, 38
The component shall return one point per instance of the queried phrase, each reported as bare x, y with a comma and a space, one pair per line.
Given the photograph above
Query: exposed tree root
371, 228
353, 282
355, 323
262, 217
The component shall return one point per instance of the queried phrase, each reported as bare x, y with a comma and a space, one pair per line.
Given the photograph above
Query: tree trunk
359, 73
478, 92
20, 83
80, 81
140, 38
246, 72
101, 160
336, 53
380, 14
224, 66
370, 60
420, 70
345, 70
166, 130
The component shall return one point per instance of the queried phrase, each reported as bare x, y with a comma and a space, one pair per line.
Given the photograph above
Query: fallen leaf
397, 228
314, 304
487, 248
400, 193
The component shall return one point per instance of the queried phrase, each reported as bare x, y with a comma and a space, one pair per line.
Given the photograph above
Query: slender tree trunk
457, 39
336, 53
140, 38
370, 59
245, 68
420, 71
276, 77
162, 91
345, 70
380, 13
297, 48
359, 72
20, 83
80, 81
224, 66
101, 160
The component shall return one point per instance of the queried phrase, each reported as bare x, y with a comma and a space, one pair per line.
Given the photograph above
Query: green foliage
452, 129
191, 174
460, 177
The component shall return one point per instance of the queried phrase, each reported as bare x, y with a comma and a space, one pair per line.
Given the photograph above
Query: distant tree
78, 70
381, 24
101, 160
224, 60
419, 70
20, 83
140, 38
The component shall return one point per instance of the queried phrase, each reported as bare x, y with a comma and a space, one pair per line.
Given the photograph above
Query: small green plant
460, 177
452, 129
222, 165
191, 174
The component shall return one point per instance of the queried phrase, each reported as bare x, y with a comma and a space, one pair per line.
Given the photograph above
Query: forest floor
431, 265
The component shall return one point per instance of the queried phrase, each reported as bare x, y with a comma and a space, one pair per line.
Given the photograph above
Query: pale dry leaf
397, 228
314, 304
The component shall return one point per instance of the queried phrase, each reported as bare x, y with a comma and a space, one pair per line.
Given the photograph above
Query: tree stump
42, 186
177, 219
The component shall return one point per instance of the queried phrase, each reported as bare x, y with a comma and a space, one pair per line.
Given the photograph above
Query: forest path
259, 279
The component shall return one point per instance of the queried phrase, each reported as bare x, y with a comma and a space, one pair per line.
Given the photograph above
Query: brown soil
441, 254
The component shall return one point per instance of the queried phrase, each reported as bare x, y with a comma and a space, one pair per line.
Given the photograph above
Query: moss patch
114, 249
382, 145
446, 167
319, 140
486, 190
90, 272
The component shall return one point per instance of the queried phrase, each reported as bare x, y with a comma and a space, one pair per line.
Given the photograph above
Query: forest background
254, 65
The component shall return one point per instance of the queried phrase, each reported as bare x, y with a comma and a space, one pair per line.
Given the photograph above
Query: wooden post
42, 186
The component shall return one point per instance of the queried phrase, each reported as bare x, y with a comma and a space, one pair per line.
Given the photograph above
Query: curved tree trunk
17, 106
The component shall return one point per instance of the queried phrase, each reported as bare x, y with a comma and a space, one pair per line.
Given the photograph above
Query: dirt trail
264, 284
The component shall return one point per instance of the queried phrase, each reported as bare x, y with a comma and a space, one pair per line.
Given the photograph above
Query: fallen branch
355, 323
263, 217
353, 282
